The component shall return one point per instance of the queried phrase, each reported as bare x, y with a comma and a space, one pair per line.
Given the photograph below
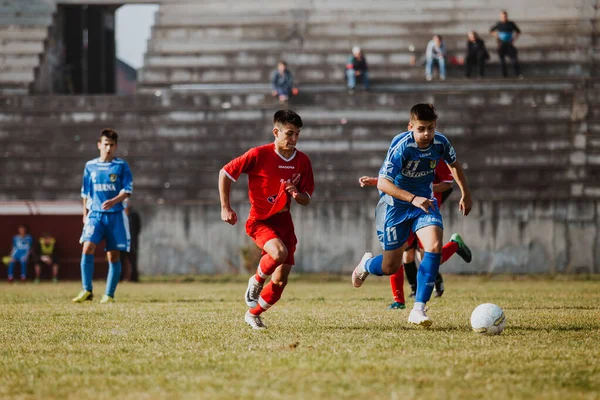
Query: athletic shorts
112, 226
53, 261
279, 226
396, 223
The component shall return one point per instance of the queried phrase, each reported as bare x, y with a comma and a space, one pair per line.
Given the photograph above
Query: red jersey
442, 174
268, 171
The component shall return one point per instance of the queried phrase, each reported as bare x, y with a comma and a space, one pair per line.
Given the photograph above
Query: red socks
448, 251
397, 283
266, 267
269, 296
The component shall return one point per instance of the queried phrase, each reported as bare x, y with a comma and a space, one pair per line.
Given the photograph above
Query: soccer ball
488, 319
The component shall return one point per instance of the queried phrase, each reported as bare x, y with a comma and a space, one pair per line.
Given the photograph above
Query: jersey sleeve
127, 179
242, 164
307, 181
449, 153
516, 28
85, 184
443, 173
392, 165
494, 27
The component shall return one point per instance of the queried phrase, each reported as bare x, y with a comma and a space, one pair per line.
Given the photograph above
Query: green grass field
326, 340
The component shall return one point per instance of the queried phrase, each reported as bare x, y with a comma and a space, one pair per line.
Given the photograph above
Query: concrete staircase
23, 32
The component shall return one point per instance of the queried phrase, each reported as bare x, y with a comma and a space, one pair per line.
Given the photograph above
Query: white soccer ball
488, 319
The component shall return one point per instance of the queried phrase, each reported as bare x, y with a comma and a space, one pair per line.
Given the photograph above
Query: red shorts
279, 226
413, 241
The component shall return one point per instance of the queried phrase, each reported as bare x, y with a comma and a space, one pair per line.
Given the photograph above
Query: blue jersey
413, 169
105, 180
21, 245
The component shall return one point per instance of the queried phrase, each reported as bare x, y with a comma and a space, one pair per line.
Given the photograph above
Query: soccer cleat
463, 250
439, 286
253, 292
23, 278
360, 273
254, 321
396, 306
84, 295
54, 280
419, 318
10, 279
36, 280
107, 299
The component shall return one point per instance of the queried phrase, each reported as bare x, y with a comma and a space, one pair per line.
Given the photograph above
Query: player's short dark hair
282, 62
109, 134
423, 112
503, 12
287, 117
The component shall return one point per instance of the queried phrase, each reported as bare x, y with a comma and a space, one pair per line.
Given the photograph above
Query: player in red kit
442, 187
277, 173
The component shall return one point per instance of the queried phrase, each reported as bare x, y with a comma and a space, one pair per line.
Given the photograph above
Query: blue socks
114, 275
87, 271
373, 265
428, 271
11, 269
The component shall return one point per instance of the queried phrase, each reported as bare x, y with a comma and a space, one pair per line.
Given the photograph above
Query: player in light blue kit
107, 181
21, 249
407, 203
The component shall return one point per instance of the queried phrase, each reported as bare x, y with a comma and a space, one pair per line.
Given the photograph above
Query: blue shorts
394, 224
112, 226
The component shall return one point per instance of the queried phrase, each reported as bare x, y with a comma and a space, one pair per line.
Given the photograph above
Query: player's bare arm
227, 213
367, 181
108, 204
466, 203
388, 187
441, 187
301, 198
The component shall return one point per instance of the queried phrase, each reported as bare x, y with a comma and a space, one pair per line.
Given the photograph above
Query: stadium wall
519, 237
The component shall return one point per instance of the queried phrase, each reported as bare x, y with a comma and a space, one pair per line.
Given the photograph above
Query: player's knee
89, 248
280, 254
113, 256
279, 281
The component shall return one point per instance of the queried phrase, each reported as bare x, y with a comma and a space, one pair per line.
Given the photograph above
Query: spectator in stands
282, 82
477, 54
435, 53
21, 250
507, 32
47, 257
357, 69
131, 258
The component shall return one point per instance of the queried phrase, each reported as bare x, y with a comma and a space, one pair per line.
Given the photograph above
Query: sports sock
268, 297
373, 265
411, 273
448, 251
114, 274
397, 284
87, 271
266, 267
419, 306
428, 271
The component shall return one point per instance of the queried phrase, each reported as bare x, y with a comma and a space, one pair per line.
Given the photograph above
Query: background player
277, 173
405, 178
107, 181
442, 187
47, 257
21, 249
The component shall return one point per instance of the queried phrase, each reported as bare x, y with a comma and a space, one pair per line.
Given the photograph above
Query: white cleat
254, 321
417, 317
360, 273
253, 292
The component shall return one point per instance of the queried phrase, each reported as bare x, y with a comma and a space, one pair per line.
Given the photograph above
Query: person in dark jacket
507, 33
477, 54
357, 68
282, 82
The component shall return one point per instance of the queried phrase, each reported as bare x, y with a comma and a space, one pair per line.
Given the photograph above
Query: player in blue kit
107, 181
407, 203
21, 249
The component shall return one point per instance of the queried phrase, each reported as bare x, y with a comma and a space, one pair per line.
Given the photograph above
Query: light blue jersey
21, 246
105, 180
413, 169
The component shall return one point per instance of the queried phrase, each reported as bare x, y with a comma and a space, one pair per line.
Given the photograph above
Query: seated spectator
476, 55
47, 257
357, 69
21, 249
507, 32
282, 82
435, 53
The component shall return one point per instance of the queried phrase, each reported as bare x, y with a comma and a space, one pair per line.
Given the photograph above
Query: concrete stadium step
16, 32
19, 61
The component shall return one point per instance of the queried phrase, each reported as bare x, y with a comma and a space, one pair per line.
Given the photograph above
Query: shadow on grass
554, 308
395, 328
555, 328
